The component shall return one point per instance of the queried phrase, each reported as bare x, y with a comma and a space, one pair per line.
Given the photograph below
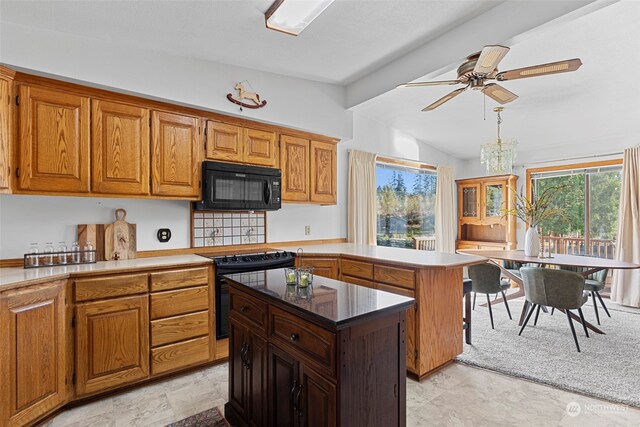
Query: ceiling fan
482, 66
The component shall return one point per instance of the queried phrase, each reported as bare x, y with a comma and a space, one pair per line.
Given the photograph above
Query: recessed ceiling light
293, 16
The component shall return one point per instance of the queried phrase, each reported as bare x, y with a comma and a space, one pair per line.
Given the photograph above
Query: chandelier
498, 156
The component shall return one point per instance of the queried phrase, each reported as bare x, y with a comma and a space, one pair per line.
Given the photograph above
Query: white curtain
361, 213
625, 288
446, 221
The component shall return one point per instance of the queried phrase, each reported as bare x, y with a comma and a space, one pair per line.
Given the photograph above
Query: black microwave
227, 186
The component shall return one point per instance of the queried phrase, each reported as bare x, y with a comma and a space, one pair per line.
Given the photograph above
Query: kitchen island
434, 279
330, 354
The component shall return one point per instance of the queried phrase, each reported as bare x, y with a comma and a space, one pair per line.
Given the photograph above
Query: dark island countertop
334, 303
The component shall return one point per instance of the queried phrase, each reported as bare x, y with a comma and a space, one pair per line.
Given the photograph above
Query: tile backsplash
228, 228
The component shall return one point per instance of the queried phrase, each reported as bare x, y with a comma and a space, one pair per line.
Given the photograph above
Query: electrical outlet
307, 230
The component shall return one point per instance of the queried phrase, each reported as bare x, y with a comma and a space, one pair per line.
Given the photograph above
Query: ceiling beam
500, 25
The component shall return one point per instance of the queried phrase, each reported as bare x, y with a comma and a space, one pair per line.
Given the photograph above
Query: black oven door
222, 308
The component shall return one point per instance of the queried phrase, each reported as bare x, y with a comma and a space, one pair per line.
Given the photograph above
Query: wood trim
213, 250
407, 163
583, 165
7, 72
142, 101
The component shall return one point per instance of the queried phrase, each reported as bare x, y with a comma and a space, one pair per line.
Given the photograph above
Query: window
406, 206
589, 198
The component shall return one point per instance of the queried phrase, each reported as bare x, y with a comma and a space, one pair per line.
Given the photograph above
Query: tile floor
458, 395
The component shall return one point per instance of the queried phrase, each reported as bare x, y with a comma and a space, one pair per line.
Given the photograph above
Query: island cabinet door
316, 401
283, 388
112, 343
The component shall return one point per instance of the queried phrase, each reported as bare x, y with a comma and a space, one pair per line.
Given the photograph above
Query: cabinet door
294, 162
120, 148
175, 157
238, 341
325, 267
260, 147
283, 388
224, 142
257, 391
54, 141
469, 205
317, 402
493, 200
5, 134
323, 172
112, 343
33, 353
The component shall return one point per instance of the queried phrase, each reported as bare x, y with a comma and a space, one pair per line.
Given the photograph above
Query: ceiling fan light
293, 16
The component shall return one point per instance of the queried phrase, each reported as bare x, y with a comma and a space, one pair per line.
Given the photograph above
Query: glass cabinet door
493, 200
470, 203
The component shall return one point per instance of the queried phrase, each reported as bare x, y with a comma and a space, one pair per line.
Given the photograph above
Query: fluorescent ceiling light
293, 16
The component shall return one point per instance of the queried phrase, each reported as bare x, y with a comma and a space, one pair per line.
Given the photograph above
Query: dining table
589, 263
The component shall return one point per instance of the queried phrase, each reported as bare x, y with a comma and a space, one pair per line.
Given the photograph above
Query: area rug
209, 418
608, 366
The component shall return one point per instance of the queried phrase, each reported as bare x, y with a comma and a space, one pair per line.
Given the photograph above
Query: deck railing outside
602, 248
424, 243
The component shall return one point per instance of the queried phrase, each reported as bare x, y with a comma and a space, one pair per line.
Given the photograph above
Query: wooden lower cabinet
33, 357
112, 343
248, 384
322, 266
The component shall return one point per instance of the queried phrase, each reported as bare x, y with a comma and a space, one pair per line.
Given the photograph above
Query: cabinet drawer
173, 303
112, 286
360, 269
177, 279
179, 328
357, 281
180, 355
316, 343
243, 306
395, 276
395, 290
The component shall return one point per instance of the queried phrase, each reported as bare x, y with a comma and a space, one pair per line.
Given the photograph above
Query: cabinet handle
293, 389
243, 355
243, 309
294, 337
298, 399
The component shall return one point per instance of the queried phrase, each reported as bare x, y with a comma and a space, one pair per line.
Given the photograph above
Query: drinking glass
305, 276
290, 275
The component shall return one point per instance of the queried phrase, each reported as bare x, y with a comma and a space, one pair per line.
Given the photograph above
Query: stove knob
285, 254
277, 255
225, 259
246, 259
234, 259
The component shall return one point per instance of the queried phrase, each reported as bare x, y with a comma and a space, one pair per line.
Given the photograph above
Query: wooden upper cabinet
224, 142
323, 172
294, 163
112, 343
6, 117
175, 159
33, 358
120, 148
260, 147
54, 141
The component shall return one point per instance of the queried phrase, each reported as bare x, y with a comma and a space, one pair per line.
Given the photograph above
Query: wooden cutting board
120, 238
93, 233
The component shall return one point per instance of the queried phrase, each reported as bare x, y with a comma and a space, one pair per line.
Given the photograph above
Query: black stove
242, 263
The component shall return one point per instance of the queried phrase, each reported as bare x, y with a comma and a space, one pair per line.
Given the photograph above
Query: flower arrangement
534, 212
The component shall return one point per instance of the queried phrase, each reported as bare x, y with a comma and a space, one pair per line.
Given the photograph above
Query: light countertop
15, 277
408, 257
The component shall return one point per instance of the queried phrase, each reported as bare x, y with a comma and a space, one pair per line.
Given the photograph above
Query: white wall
293, 102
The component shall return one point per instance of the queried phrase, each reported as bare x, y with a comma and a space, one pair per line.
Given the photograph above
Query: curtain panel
361, 211
625, 288
446, 217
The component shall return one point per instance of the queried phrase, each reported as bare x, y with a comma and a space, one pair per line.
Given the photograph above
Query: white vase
531, 242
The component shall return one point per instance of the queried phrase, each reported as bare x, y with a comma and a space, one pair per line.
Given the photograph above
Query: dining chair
485, 279
593, 284
467, 288
555, 288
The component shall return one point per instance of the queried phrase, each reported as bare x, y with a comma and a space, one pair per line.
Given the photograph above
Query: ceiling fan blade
489, 59
540, 70
444, 99
418, 84
499, 94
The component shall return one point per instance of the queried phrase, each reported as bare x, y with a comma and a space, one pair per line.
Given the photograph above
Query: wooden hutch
481, 224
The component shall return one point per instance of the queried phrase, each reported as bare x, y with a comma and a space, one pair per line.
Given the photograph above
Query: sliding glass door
589, 199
